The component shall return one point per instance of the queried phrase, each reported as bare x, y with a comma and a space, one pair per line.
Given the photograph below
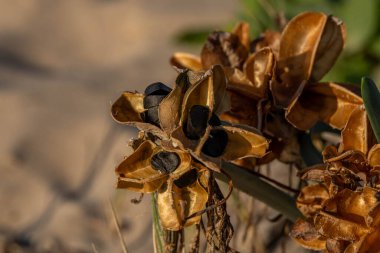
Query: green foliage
371, 98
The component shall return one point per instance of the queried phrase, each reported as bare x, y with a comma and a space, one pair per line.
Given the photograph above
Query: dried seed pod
165, 162
197, 120
216, 143
187, 179
223, 48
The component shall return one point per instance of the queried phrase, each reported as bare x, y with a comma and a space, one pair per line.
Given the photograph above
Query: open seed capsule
187, 179
216, 143
165, 162
197, 122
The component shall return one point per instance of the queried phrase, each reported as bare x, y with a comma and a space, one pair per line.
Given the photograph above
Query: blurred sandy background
62, 63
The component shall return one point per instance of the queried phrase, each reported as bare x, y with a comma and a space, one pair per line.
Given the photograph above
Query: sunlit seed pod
187, 179
214, 120
151, 116
157, 89
165, 162
216, 143
152, 100
197, 122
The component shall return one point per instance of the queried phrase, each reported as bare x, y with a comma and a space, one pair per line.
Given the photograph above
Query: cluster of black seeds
165, 162
195, 127
187, 179
154, 94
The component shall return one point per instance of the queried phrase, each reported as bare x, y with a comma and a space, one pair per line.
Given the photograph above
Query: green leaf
360, 18
261, 190
309, 153
371, 97
193, 36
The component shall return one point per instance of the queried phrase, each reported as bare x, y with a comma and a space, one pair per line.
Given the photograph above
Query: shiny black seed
152, 100
196, 122
216, 143
186, 179
214, 120
165, 162
151, 116
157, 89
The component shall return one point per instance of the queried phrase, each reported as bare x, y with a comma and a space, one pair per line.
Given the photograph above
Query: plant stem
261, 190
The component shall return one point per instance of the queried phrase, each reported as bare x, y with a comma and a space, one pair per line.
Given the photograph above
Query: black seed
151, 116
166, 162
216, 143
186, 179
157, 89
214, 120
197, 122
152, 100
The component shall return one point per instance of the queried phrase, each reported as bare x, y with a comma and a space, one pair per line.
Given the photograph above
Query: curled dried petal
186, 61
176, 204
136, 173
309, 46
311, 199
242, 31
339, 228
305, 234
243, 143
374, 156
328, 102
357, 134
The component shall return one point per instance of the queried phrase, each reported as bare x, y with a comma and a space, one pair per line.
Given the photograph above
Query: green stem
157, 226
261, 190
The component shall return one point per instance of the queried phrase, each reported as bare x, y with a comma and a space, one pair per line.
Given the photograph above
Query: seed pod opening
187, 179
197, 119
214, 120
216, 143
165, 162
157, 89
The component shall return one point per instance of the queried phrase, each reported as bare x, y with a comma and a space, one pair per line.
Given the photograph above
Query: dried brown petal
305, 234
136, 173
357, 134
327, 102
311, 199
243, 143
309, 46
170, 107
242, 31
374, 156
351, 205
223, 48
243, 110
259, 70
176, 204
186, 61
338, 228
335, 246
267, 39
